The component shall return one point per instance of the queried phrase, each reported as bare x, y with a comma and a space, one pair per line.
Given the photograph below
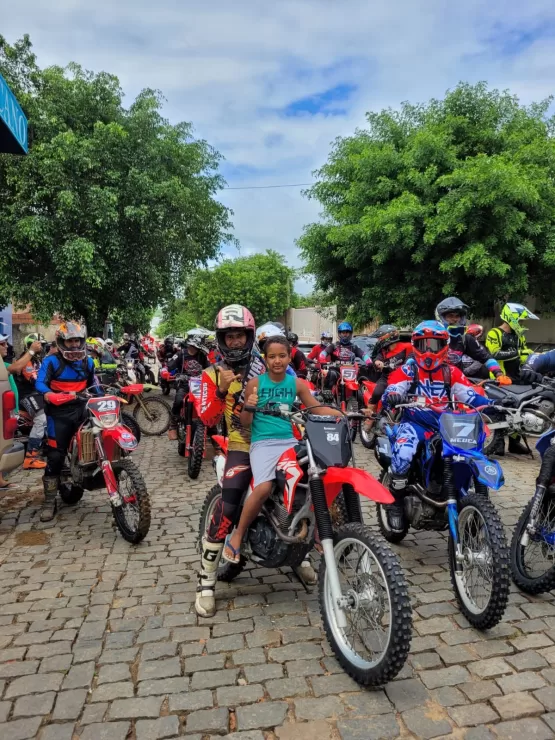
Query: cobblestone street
98, 639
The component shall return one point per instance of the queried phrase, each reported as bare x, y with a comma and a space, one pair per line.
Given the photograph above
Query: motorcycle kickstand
525, 440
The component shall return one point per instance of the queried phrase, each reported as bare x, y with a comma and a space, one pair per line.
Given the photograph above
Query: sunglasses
3, 344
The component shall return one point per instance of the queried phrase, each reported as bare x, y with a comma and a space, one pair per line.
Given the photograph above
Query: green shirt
13, 386
284, 392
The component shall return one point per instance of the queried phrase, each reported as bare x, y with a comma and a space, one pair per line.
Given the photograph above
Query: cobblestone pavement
98, 639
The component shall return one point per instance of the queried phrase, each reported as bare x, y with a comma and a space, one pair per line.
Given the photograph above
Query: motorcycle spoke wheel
533, 565
352, 408
133, 516
482, 582
153, 416
196, 450
373, 647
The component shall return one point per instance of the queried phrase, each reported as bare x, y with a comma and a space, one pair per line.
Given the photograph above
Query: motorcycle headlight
107, 421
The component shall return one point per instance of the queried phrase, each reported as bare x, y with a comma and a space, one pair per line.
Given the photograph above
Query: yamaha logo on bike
490, 469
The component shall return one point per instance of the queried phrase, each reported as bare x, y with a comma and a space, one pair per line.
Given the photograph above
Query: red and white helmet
232, 318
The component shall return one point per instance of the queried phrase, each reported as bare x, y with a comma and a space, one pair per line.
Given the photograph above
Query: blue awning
13, 124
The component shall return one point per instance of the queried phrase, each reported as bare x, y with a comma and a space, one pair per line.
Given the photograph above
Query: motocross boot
172, 431
516, 447
205, 602
49, 508
395, 512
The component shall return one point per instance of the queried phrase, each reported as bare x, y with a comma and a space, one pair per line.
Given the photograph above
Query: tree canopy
262, 282
112, 208
456, 197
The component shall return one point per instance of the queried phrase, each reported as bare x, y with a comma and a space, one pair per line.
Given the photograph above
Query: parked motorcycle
448, 489
534, 413
152, 414
533, 542
362, 589
98, 457
345, 392
191, 432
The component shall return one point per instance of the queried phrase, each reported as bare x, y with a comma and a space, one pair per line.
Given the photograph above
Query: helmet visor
430, 344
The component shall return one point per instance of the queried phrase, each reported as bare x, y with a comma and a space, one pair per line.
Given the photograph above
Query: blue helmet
344, 326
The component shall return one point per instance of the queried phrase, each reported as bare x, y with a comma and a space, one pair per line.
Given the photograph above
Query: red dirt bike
191, 432
363, 594
98, 457
345, 391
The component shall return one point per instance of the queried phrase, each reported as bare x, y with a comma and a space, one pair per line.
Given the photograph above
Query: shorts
265, 456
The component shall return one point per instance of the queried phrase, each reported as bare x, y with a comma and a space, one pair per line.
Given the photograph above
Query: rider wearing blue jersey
60, 378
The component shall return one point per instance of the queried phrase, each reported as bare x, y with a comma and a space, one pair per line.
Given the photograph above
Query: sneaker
32, 461
307, 573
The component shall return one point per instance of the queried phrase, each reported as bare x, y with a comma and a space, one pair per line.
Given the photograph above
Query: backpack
62, 364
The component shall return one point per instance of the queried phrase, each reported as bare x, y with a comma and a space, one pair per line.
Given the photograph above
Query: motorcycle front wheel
196, 451
481, 584
153, 415
130, 422
226, 571
133, 516
533, 565
374, 646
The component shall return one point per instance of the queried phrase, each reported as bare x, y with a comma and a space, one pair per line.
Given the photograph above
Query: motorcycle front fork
530, 530
107, 471
325, 532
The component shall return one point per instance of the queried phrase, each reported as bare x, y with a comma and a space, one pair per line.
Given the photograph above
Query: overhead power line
265, 187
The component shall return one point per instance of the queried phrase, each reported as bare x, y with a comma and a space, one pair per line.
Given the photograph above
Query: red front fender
363, 483
352, 385
221, 441
120, 436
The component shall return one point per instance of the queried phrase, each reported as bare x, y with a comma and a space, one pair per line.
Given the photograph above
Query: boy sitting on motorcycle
270, 436
429, 377
190, 361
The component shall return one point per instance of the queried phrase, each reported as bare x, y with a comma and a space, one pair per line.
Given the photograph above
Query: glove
58, 399
394, 399
503, 379
529, 376
509, 402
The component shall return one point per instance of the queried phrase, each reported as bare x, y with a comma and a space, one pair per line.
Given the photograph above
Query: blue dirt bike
533, 543
448, 486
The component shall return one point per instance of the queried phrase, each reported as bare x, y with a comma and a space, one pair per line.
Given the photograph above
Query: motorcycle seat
520, 391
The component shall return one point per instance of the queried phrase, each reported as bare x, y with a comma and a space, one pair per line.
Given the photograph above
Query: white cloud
231, 67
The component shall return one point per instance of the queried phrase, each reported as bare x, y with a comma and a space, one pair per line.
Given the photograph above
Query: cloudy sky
271, 84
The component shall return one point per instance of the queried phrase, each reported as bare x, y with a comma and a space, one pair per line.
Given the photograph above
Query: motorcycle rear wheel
541, 580
226, 571
375, 645
160, 413
132, 517
486, 559
381, 514
194, 462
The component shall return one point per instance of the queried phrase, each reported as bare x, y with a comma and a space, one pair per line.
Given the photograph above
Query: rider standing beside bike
343, 351
223, 394
190, 361
437, 383
60, 378
32, 401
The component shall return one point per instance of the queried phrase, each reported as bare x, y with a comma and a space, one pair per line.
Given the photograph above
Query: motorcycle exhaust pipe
419, 491
296, 539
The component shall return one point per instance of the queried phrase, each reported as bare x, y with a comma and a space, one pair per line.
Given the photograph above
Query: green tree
112, 208
456, 197
262, 282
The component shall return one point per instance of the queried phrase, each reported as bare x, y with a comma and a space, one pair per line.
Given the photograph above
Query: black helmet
386, 335
292, 338
446, 306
